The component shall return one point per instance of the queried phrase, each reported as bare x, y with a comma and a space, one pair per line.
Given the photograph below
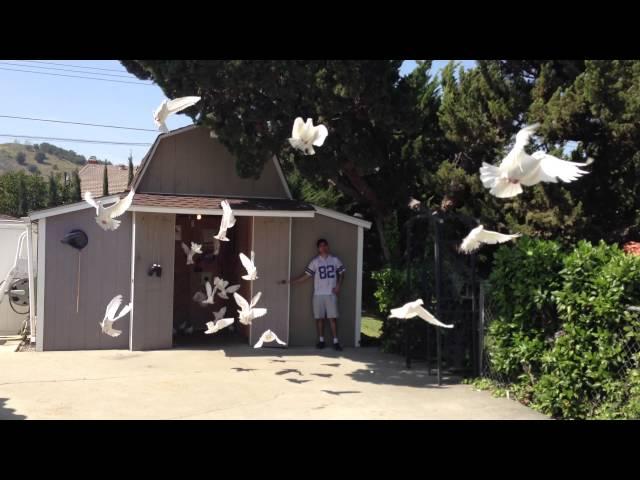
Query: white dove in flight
415, 309
221, 285
479, 235
519, 168
190, 252
213, 327
304, 136
228, 221
247, 311
250, 267
110, 316
168, 107
211, 294
105, 216
268, 337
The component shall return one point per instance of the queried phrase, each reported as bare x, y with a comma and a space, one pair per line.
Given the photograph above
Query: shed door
271, 240
152, 319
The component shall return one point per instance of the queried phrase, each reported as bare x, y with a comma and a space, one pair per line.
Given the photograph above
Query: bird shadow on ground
323, 375
8, 413
296, 380
289, 370
340, 392
240, 369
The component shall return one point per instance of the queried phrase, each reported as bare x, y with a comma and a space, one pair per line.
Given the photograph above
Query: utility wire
79, 123
70, 65
76, 76
78, 140
65, 70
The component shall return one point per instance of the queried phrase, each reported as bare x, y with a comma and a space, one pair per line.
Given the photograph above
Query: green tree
23, 206
54, 195
21, 158
40, 157
368, 108
130, 170
76, 194
105, 181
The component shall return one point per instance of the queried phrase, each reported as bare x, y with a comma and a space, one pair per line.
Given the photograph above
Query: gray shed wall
193, 163
343, 242
153, 296
105, 271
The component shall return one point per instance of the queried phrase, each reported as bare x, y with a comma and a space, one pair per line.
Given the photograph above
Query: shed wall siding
193, 163
343, 242
104, 272
153, 296
271, 247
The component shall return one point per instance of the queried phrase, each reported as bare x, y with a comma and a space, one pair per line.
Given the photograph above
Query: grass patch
370, 331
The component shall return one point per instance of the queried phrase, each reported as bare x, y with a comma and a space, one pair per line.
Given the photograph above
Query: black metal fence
449, 287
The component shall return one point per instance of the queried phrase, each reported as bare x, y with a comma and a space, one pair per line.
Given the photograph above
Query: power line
78, 123
70, 65
65, 70
76, 76
77, 140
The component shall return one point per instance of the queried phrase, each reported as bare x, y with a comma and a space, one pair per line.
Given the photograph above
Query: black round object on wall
76, 239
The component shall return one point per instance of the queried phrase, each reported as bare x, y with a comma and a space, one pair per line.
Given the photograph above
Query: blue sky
90, 101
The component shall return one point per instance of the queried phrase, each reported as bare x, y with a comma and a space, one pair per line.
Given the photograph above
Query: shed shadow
9, 413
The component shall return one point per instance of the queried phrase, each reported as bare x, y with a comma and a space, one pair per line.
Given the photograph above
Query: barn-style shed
179, 187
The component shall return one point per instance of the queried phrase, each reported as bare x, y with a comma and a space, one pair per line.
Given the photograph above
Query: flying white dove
213, 327
211, 293
479, 235
168, 107
304, 135
190, 252
228, 221
110, 316
415, 309
519, 168
252, 271
105, 216
221, 285
268, 337
220, 313
247, 312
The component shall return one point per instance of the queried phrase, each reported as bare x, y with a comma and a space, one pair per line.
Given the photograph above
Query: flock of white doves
518, 168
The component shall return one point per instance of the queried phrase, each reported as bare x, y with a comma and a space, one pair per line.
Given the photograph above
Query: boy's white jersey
325, 273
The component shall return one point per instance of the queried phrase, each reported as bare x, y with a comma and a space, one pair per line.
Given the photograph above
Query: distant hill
56, 159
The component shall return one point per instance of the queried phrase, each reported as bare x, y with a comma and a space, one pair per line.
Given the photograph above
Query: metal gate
448, 284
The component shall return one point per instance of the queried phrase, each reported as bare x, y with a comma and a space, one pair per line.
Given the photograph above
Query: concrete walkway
235, 383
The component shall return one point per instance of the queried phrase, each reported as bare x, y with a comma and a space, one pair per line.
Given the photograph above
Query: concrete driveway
236, 382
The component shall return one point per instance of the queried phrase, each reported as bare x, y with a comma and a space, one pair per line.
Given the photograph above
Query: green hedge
561, 335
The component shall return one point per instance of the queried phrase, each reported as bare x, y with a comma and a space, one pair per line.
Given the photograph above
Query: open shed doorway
218, 259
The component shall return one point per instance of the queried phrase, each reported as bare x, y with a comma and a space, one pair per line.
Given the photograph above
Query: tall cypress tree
76, 191
23, 206
105, 180
130, 169
54, 196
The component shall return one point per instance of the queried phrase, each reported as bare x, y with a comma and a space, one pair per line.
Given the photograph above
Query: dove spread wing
242, 303
255, 299
321, 133
178, 104
113, 306
123, 312
209, 289
552, 167
487, 236
88, 197
185, 249
425, 315
121, 206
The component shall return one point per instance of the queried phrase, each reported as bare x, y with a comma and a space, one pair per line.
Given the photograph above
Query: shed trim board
73, 207
32, 302
358, 313
289, 285
342, 216
133, 270
42, 232
236, 212
282, 177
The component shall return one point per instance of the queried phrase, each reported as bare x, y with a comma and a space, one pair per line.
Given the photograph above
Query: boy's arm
336, 289
299, 279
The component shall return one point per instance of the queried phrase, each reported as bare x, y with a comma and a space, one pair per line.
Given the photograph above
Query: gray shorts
325, 306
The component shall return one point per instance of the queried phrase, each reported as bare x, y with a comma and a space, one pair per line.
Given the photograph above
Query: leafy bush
40, 157
522, 281
567, 351
21, 158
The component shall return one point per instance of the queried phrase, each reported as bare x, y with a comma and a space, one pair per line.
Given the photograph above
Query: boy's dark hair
320, 242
